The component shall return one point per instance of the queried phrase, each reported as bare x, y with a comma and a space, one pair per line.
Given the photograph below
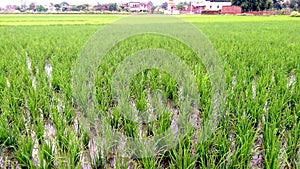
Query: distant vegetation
260, 5
247, 5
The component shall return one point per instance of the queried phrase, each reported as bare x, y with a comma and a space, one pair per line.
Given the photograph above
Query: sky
3, 3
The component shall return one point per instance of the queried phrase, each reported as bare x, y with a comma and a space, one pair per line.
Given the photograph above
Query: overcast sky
3, 3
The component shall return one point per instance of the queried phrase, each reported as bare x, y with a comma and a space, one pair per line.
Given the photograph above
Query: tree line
247, 5
260, 5
251, 5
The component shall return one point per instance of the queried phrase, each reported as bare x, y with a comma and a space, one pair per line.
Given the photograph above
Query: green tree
295, 5
164, 5
180, 6
253, 5
112, 7
285, 5
152, 9
277, 4
127, 9
87, 7
23, 7
41, 8
18, 8
244, 4
75, 8
57, 7
64, 9
83, 7
32, 6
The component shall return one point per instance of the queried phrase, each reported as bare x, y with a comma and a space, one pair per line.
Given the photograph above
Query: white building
134, 6
171, 8
213, 6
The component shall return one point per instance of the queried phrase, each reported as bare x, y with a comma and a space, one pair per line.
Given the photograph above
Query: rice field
40, 123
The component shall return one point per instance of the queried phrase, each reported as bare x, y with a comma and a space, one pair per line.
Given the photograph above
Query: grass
52, 19
260, 128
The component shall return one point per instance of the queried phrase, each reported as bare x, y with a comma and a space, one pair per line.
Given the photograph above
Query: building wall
194, 9
171, 5
134, 6
139, 6
231, 10
215, 6
210, 12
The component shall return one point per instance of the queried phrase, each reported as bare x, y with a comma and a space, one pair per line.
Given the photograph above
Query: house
193, 8
134, 6
171, 9
64, 6
139, 6
204, 7
51, 8
10, 8
145, 7
97, 7
103, 7
216, 6
171, 5
124, 6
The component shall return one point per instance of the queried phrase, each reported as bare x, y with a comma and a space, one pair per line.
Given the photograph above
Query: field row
259, 127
